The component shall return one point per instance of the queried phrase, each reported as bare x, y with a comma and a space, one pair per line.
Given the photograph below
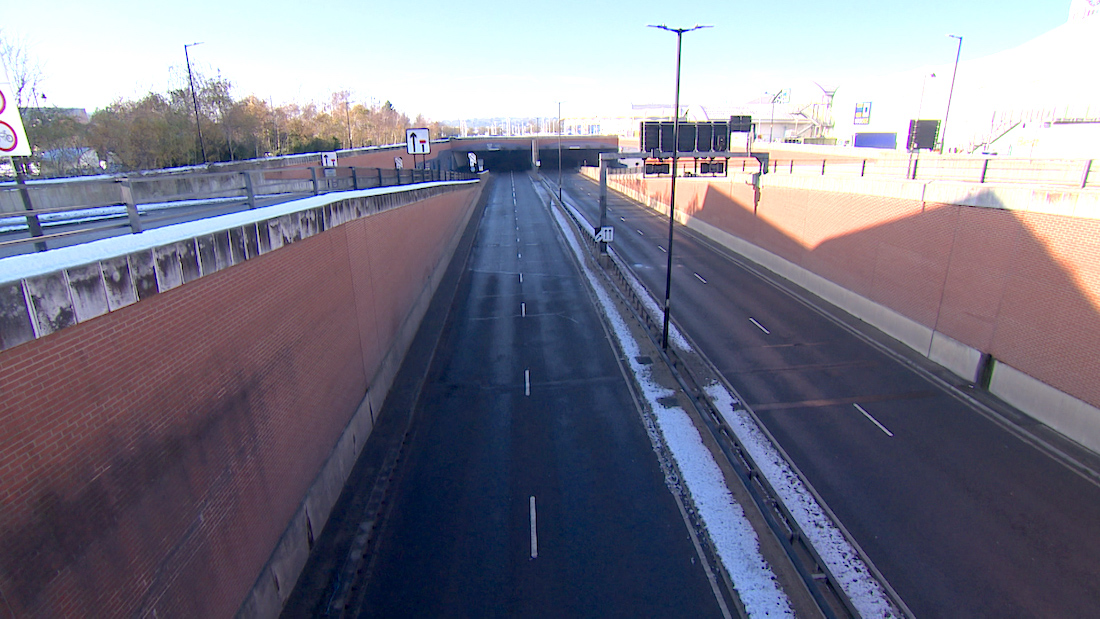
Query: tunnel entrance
506, 160
516, 157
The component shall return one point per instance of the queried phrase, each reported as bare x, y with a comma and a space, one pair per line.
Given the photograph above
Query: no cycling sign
13, 138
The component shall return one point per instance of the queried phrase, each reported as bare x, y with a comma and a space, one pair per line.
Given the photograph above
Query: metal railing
1077, 173
100, 204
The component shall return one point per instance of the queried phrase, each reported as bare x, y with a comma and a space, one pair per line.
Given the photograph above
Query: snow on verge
861, 588
639, 289
733, 537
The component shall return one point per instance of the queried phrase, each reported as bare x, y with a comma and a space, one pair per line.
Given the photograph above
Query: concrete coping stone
48, 291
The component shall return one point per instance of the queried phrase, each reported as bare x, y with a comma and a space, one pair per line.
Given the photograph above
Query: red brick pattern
1022, 286
150, 458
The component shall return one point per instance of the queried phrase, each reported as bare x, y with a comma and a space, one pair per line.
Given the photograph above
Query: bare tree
24, 71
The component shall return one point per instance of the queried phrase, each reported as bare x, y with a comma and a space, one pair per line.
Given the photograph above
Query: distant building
1040, 99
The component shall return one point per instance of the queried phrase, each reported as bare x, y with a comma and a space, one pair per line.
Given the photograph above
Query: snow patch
730, 531
854, 578
31, 265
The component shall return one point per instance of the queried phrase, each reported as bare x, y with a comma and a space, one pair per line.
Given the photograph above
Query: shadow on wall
1021, 287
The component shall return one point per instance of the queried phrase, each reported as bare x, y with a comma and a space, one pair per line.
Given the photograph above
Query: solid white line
868, 415
534, 532
700, 278
527, 382
760, 326
523, 309
662, 249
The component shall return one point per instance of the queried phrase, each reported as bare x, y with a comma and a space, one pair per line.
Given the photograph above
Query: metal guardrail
822, 585
1078, 173
200, 192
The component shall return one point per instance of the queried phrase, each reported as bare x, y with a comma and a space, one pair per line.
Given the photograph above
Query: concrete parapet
192, 399
43, 293
1064, 413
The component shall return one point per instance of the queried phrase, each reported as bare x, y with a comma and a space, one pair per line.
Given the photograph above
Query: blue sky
493, 58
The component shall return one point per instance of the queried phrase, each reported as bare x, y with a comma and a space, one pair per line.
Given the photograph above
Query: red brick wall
151, 458
1022, 286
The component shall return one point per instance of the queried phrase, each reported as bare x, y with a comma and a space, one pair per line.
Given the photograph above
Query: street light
195, 99
675, 150
943, 131
923, 84
771, 126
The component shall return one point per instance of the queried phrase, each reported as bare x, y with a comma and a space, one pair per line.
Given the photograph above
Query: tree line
159, 130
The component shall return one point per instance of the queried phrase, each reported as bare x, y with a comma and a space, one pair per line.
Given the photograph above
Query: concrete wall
168, 455
951, 270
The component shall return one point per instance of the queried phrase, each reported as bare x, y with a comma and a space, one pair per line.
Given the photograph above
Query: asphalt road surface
964, 517
530, 487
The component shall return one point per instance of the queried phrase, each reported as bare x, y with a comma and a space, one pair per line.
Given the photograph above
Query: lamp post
771, 126
675, 150
559, 151
950, 93
923, 85
194, 99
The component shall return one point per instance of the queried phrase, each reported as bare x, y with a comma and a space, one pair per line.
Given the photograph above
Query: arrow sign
416, 141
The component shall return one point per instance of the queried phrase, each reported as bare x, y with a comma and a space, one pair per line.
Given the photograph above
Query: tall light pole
923, 85
194, 99
950, 93
675, 151
771, 126
559, 151
347, 117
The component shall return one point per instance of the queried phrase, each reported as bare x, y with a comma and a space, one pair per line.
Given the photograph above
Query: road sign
416, 141
328, 160
13, 138
606, 234
398, 163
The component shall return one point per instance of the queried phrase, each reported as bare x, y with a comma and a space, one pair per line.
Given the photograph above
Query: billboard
863, 113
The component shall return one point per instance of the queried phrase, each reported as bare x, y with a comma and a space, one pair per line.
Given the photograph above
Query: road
963, 517
530, 487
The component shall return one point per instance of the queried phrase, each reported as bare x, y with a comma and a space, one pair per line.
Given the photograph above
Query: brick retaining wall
151, 457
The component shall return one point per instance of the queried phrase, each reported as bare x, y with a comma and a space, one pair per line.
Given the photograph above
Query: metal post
950, 93
985, 168
559, 151
675, 160
1085, 173
313, 178
131, 207
248, 189
823, 167
195, 99
33, 224
603, 203
354, 179
863, 169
